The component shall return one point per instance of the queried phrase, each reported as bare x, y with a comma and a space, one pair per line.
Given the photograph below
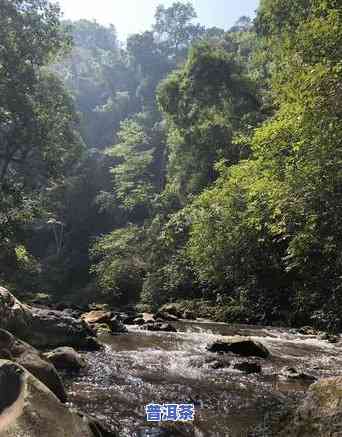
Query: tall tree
38, 141
205, 103
174, 28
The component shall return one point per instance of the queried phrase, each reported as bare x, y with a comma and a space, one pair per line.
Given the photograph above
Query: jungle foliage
185, 163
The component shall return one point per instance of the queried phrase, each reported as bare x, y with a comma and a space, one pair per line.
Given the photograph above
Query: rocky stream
244, 381
234, 396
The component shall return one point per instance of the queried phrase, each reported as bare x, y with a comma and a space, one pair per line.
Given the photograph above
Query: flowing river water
141, 367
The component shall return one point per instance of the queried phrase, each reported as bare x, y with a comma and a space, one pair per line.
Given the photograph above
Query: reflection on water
142, 367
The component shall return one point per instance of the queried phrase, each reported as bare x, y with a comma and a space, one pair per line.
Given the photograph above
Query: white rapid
143, 367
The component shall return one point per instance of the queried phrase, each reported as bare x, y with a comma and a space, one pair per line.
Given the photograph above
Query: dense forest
186, 164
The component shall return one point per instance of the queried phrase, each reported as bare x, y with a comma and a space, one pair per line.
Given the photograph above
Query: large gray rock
48, 328
28, 357
41, 327
29, 408
14, 316
244, 348
320, 414
66, 358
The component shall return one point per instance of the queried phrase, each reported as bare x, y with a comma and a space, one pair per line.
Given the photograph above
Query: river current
142, 367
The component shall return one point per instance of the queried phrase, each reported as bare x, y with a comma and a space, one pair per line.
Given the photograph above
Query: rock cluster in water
32, 395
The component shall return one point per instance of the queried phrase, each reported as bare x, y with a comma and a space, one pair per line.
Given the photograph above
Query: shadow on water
143, 367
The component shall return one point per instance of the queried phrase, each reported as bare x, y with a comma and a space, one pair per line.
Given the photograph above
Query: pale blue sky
131, 16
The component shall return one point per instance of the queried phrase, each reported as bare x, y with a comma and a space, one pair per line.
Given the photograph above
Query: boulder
103, 321
164, 327
188, 315
244, 348
50, 328
14, 316
41, 327
117, 327
29, 408
320, 414
97, 316
172, 308
164, 316
138, 321
248, 367
66, 358
329, 337
33, 361
292, 373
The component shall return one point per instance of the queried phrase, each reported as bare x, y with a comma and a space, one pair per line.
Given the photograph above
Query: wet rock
97, 428
172, 308
11, 383
329, 337
245, 348
66, 358
164, 327
33, 361
164, 316
188, 315
29, 408
117, 327
48, 328
320, 414
307, 330
248, 367
292, 373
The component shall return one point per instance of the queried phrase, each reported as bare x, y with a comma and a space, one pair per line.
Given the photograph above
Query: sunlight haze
132, 16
